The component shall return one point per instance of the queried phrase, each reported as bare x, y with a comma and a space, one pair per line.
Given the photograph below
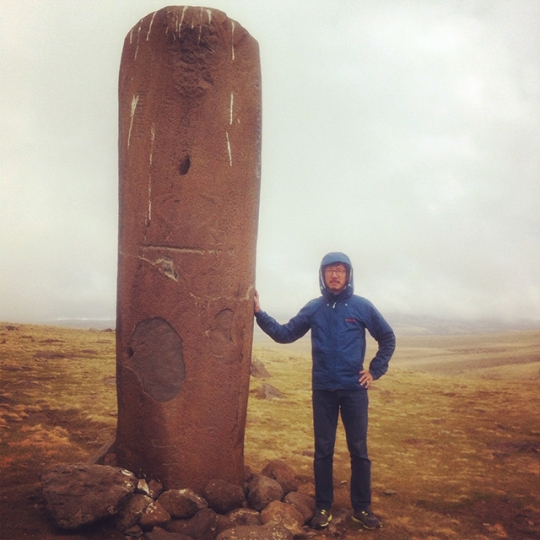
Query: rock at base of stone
286, 515
283, 474
254, 532
262, 490
305, 504
182, 503
223, 496
80, 494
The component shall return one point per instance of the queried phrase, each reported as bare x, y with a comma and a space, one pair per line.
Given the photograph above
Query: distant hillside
403, 325
415, 325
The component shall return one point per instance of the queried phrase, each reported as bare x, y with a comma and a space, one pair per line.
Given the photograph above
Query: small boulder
262, 490
182, 503
237, 517
256, 532
258, 370
283, 474
155, 489
303, 503
134, 533
142, 487
79, 494
244, 516
154, 515
158, 533
131, 511
286, 515
223, 496
267, 391
202, 526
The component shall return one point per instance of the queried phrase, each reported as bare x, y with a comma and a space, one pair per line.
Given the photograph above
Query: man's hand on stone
256, 302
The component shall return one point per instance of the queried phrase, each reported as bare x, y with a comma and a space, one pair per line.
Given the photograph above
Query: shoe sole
365, 526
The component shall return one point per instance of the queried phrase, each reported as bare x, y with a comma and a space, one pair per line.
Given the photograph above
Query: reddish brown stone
189, 149
283, 474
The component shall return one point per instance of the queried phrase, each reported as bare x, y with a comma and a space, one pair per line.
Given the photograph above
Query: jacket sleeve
284, 333
384, 336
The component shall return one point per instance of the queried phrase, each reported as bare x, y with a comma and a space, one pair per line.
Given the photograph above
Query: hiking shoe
321, 519
367, 519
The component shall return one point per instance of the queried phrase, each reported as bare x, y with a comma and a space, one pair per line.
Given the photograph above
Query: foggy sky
404, 133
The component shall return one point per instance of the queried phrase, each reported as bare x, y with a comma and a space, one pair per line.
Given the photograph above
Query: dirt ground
454, 430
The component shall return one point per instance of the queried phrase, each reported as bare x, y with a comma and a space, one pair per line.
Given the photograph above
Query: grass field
454, 429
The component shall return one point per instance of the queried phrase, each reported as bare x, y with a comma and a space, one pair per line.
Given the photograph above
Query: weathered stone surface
258, 370
131, 511
307, 488
223, 496
158, 533
255, 532
156, 357
189, 148
133, 532
262, 490
237, 517
155, 488
154, 515
79, 494
286, 515
303, 503
202, 526
142, 487
182, 503
151, 488
281, 472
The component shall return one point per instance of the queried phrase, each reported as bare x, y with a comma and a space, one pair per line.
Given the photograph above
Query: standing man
338, 320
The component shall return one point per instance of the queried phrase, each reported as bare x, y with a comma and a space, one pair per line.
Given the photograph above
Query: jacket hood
334, 258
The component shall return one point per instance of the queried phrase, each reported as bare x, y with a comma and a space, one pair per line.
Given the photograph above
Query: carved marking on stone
232, 39
165, 265
134, 102
196, 251
152, 139
150, 26
220, 334
138, 37
229, 147
157, 358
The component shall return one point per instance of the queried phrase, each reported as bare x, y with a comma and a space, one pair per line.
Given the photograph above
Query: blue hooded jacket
338, 338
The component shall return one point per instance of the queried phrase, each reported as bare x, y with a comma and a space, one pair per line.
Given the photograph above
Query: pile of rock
269, 506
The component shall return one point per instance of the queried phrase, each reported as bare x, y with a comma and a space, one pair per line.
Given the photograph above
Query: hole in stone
130, 352
185, 163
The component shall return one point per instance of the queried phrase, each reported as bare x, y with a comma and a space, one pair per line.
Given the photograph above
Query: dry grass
454, 429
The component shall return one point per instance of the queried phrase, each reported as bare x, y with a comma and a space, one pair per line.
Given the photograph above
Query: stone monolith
189, 152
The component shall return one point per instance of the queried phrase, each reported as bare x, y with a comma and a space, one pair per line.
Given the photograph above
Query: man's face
335, 277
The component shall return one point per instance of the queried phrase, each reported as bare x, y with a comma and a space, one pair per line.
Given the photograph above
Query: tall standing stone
189, 149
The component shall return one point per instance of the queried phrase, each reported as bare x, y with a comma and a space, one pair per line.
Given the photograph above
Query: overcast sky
405, 133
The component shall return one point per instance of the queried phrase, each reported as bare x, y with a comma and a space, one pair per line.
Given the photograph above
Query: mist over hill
419, 325
403, 325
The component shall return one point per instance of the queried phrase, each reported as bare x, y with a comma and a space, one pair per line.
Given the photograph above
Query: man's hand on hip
366, 378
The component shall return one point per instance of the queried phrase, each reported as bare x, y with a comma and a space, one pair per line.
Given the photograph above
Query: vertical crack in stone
157, 358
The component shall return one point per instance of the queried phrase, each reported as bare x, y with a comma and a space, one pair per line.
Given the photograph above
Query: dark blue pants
353, 406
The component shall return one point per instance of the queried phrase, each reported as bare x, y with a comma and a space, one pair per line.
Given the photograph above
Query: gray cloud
406, 134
